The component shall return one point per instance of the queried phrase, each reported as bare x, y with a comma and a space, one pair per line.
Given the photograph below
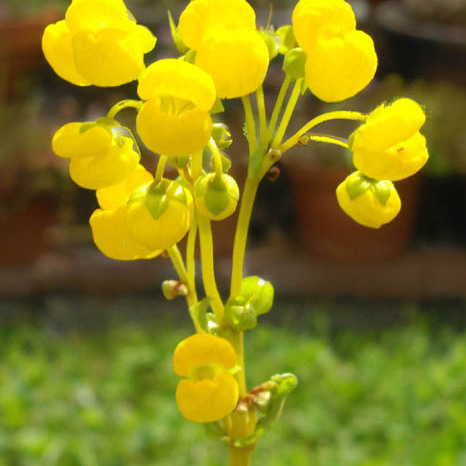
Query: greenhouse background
371, 322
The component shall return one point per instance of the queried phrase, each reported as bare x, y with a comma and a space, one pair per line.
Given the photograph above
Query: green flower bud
216, 197
221, 135
239, 315
258, 293
272, 41
293, 63
288, 40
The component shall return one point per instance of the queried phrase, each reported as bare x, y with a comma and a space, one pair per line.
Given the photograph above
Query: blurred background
372, 322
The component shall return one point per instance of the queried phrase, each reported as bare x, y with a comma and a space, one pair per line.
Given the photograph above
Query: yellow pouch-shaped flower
389, 145
368, 202
100, 155
110, 234
175, 120
236, 60
202, 17
338, 68
315, 19
209, 391
159, 214
98, 43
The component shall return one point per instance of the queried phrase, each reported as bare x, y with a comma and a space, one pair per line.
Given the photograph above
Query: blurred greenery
396, 397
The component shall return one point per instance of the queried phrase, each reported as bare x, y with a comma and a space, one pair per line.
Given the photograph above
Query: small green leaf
293, 63
199, 313
357, 184
383, 190
180, 45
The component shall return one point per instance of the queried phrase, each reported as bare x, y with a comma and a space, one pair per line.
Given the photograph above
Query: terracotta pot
20, 45
23, 232
326, 231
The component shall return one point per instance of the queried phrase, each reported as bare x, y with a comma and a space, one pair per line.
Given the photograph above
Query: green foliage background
397, 397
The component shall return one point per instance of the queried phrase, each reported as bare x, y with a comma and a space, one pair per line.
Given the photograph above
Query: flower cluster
387, 147
141, 214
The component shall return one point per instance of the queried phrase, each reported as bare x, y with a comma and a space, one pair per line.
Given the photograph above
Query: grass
397, 397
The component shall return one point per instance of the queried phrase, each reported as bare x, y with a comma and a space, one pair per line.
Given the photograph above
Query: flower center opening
174, 105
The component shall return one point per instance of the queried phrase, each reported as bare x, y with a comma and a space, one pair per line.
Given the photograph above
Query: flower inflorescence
223, 55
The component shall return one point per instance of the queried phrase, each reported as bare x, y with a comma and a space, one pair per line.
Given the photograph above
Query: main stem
240, 456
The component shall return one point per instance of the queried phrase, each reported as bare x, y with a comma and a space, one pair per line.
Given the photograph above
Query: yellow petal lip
110, 235
203, 17
339, 68
177, 78
58, 51
207, 400
314, 19
70, 141
237, 61
173, 134
203, 349
107, 169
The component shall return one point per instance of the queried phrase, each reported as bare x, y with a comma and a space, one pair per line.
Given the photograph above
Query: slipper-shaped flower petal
389, 145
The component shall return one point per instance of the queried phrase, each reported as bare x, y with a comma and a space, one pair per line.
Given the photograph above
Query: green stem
240, 456
191, 258
328, 140
217, 158
262, 117
250, 124
237, 341
239, 246
160, 168
178, 264
207, 265
338, 115
118, 107
278, 105
288, 113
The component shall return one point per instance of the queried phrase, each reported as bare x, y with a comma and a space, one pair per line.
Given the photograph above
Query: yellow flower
159, 214
237, 61
100, 154
97, 43
341, 60
368, 202
175, 119
389, 145
201, 17
109, 223
209, 392
223, 33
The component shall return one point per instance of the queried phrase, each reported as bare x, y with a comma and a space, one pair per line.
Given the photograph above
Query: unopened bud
221, 135
273, 174
294, 62
171, 289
